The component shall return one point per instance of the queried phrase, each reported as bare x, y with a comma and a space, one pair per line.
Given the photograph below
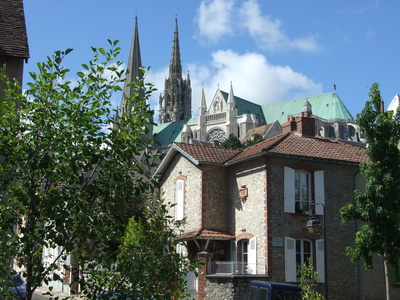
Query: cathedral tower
176, 102
134, 75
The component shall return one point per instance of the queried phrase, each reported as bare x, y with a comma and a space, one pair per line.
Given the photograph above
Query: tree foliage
254, 139
308, 281
233, 142
70, 178
378, 206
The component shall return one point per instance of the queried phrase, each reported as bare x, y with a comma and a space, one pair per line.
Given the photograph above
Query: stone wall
183, 169
229, 287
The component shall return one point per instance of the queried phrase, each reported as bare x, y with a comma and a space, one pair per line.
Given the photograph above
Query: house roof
205, 234
316, 148
13, 37
261, 130
197, 154
284, 145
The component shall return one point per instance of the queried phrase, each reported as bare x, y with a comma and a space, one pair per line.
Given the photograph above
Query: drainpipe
356, 228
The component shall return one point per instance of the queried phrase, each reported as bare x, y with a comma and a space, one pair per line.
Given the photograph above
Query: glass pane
307, 247
263, 294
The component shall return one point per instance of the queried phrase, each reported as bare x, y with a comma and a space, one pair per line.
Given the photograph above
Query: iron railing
233, 267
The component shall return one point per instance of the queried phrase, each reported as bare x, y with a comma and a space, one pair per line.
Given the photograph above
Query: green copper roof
326, 106
167, 133
246, 107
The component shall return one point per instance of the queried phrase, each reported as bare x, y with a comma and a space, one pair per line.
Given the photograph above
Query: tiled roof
206, 234
290, 144
207, 154
261, 130
13, 37
287, 144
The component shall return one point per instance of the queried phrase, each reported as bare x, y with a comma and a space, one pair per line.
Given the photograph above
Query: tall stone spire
175, 67
176, 102
135, 74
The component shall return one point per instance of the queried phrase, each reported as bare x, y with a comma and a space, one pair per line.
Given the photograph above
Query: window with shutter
180, 195
297, 190
297, 253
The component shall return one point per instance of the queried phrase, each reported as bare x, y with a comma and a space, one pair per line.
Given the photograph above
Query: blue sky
270, 50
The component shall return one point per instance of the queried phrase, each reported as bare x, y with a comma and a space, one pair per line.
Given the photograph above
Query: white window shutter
179, 249
252, 258
319, 188
289, 203
179, 200
320, 255
290, 260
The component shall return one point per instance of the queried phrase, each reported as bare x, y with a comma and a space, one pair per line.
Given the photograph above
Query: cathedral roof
247, 107
13, 37
167, 133
326, 106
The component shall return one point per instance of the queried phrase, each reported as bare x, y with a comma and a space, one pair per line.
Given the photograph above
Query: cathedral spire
175, 68
176, 102
134, 72
202, 104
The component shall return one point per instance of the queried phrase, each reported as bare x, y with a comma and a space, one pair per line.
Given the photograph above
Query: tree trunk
386, 268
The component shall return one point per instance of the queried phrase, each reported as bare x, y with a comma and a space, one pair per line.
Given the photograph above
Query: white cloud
215, 19
219, 18
253, 78
268, 32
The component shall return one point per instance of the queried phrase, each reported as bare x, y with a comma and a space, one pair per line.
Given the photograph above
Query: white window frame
302, 200
179, 199
291, 262
289, 190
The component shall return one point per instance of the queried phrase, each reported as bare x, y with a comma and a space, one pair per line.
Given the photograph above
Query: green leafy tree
378, 206
254, 139
71, 176
232, 142
308, 281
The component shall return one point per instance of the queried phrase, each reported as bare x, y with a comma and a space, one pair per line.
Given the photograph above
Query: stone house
14, 49
246, 212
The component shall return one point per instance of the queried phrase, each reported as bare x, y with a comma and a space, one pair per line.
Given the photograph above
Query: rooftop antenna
334, 88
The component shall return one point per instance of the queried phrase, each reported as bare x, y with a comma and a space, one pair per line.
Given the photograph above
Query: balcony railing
233, 267
215, 118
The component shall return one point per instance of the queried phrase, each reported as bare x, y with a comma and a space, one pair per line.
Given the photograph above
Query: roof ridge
279, 139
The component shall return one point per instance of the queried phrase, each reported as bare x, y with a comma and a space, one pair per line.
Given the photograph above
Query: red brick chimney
290, 125
306, 123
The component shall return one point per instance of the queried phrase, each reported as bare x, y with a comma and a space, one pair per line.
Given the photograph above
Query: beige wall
181, 168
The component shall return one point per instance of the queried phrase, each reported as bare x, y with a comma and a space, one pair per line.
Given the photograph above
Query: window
341, 132
303, 252
298, 186
246, 252
179, 199
302, 191
298, 251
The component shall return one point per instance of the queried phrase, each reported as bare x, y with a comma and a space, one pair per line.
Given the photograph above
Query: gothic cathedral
176, 103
